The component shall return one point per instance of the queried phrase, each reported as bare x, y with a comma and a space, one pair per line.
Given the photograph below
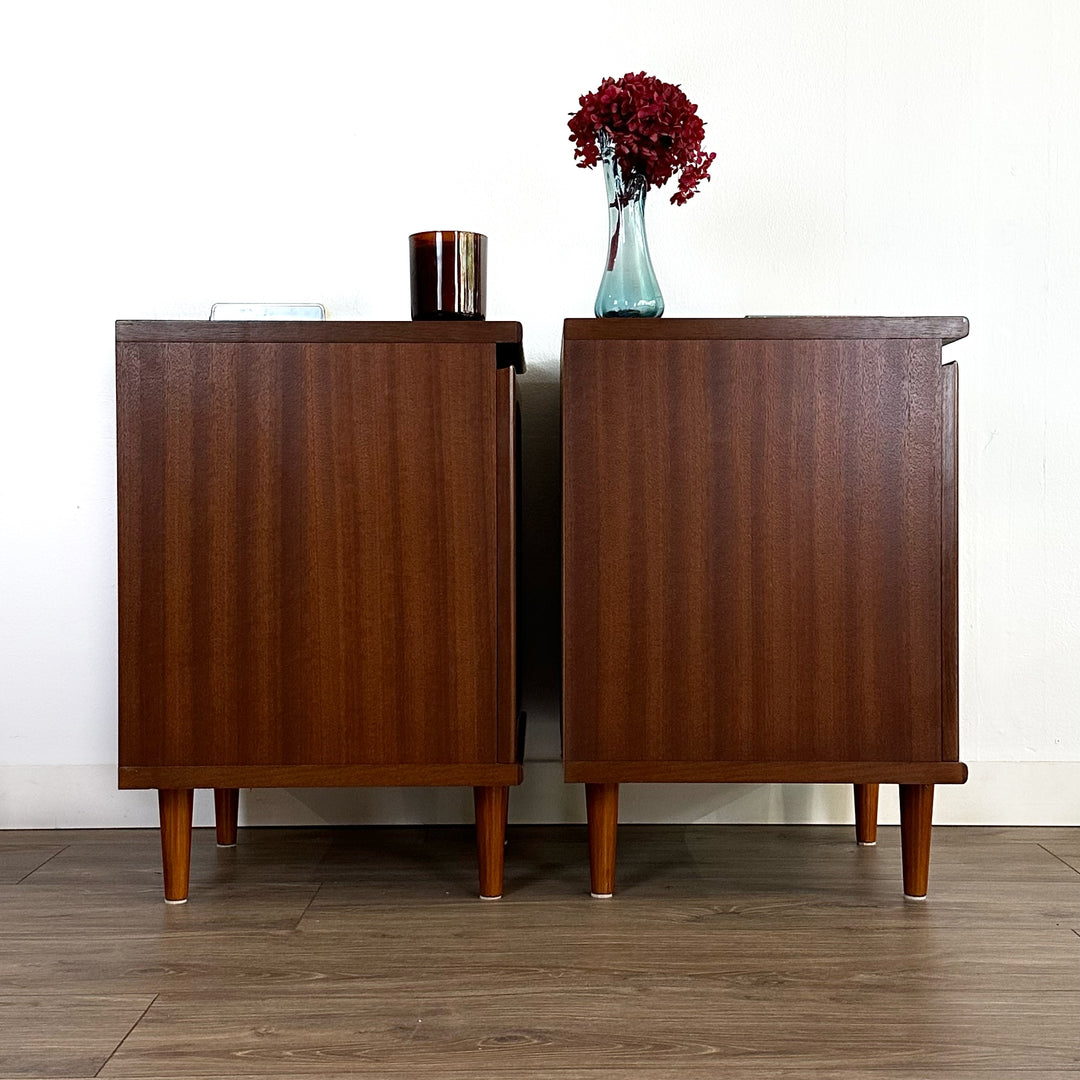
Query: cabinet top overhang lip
505, 336
789, 327
330, 330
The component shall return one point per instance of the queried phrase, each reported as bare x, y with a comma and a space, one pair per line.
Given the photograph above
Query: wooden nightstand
760, 561
317, 544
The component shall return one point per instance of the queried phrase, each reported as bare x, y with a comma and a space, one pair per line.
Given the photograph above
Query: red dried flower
654, 129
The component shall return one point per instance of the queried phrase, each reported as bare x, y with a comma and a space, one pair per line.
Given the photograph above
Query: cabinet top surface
442, 332
800, 328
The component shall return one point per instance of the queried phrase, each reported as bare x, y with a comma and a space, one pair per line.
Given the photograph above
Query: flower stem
613, 249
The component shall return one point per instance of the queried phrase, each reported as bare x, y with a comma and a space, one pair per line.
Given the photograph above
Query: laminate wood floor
761, 951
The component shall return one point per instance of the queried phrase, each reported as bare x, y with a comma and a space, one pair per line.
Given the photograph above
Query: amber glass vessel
448, 270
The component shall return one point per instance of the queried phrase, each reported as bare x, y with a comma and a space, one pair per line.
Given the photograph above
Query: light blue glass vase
628, 288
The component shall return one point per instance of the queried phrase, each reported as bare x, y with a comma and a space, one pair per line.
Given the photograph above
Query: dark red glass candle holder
449, 274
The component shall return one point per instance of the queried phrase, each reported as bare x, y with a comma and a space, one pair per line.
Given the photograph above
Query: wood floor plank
264, 855
999, 834
739, 1072
60, 837
80, 912
1068, 853
387, 950
62, 1035
613, 1023
18, 861
743, 905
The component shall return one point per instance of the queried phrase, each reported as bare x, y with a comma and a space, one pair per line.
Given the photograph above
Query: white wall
873, 158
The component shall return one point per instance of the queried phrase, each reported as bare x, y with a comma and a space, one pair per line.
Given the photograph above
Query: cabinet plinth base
765, 772
134, 777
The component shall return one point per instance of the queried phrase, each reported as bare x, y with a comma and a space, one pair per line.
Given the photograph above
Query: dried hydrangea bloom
653, 127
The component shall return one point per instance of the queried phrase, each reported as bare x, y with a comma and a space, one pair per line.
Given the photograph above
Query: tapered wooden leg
174, 806
226, 809
602, 809
491, 805
916, 813
866, 800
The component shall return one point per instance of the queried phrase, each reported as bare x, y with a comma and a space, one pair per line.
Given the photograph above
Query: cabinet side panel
950, 554
307, 553
752, 550
508, 463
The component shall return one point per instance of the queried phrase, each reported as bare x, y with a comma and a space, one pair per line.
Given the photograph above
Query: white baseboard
997, 793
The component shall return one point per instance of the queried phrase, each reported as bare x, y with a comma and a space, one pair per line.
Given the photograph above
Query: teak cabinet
760, 561
317, 564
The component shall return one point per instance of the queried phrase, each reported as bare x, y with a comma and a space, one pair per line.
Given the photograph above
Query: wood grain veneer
753, 534
290, 591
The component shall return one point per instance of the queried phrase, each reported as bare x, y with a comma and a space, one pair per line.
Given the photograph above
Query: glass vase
628, 288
